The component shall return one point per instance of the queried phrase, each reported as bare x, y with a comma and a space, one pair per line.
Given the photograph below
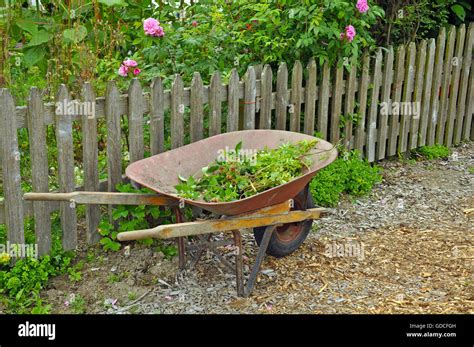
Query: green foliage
471, 170
432, 152
348, 174
130, 218
20, 285
236, 175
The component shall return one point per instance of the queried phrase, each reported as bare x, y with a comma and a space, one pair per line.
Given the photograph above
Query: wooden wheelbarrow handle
103, 198
168, 231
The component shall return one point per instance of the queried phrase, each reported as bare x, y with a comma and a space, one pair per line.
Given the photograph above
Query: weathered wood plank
385, 99
215, 106
417, 96
349, 105
323, 105
310, 98
40, 168
435, 87
266, 98
456, 63
233, 102
281, 97
135, 121
250, 95
296, 96
374, 105
177, 113
66, 170
426, 98
336, 105
468, 132
10, 160
90, 156
114, 136
359, 138
157, 117
464, 83
396, 98
197, 108
406, 98
445, 87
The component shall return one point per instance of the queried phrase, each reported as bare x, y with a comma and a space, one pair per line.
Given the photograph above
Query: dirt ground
406, 248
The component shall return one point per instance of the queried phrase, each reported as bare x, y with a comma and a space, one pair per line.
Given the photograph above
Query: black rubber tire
281, 247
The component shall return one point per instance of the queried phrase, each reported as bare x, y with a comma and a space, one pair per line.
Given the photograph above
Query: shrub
431, 152
348, 174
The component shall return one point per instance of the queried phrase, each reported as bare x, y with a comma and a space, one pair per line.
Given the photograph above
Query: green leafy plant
129, 218
347, 174
236, 176
431, 152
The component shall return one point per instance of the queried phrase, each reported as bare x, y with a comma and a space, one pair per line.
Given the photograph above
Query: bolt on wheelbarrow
280, 217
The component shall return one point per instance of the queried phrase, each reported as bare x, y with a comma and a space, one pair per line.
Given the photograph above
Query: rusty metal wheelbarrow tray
161, 172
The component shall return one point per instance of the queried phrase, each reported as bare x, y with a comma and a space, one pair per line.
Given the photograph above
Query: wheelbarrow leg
239, 263
258, 261
181, 241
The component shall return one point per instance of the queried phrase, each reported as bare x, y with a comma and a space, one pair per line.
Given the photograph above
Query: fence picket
215, 106
445, 87
90, 156
464, 83
417, 96
266, 98
323, 105
40, 168
296, 95
114, 136
436, 85
233, 102
66, 170
157, 117
374, 105
135, 121
250, 95
336, 105
385, 98
454, 85
281, 97
397, 88
359, 138
10, 159
405, 119
310, 98
426, 97
349, 105
177, 113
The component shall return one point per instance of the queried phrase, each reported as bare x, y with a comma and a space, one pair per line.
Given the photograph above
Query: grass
431, 152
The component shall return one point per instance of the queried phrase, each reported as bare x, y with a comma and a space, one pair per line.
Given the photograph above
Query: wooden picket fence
435, 74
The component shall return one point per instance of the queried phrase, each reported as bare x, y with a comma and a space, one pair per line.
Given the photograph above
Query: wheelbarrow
281, 217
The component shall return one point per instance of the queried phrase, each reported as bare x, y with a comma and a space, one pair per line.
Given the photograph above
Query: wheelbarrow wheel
288, 237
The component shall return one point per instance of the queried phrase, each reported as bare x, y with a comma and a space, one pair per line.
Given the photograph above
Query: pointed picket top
233, 101
266, 98
282, 97
215, 106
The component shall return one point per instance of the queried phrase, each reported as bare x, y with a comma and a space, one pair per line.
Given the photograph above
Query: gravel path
408, 247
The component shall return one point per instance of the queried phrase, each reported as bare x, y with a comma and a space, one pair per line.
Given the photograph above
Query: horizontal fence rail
390, 102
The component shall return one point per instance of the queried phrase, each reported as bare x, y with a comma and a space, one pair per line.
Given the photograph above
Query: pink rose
350, 33
130, 63
123, 71
362, 6
194, 23
136, 71
152, 27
